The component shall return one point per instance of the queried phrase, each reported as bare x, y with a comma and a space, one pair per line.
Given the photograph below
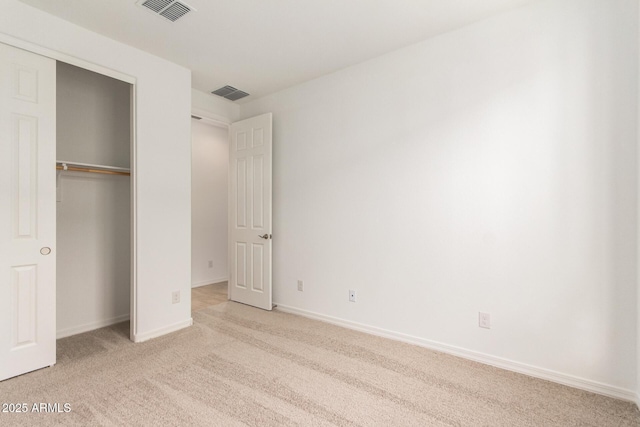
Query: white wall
209, 182
162, 158
93, 117
488, 169
93, 211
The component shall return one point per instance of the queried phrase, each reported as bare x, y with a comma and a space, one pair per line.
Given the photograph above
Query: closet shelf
62, 165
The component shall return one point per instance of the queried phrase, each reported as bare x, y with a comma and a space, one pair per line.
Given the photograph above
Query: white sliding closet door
27, 212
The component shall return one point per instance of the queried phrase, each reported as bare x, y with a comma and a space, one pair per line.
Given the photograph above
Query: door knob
265, 236
45, 251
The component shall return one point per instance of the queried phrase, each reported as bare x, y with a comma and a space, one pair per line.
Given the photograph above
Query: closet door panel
27, 211
25, 163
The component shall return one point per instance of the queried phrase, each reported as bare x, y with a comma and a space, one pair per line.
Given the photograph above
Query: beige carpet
243, 366
206, 296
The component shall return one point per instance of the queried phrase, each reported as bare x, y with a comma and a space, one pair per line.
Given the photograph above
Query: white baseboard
162, 331
209, 282
91, 326
510, 365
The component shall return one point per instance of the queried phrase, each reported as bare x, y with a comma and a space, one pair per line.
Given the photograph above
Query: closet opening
209, 195
94, 200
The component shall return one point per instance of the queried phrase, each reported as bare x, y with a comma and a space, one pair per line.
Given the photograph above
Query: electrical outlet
300, 285
210, 264
352, 295
175, 297
484, 320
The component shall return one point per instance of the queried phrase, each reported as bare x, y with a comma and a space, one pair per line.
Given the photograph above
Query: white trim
209, 282
59, 56
637, 397
509, 365
133, 164
229, 256
91, 326
211, 118
162, 331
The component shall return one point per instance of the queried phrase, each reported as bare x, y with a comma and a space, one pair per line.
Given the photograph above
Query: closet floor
207, 296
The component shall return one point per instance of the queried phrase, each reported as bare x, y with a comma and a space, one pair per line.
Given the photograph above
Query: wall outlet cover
175, 297
352, 295
484, 320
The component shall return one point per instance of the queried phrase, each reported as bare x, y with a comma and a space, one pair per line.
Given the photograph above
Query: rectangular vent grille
224, 91
156, 5
230, 93
236, 95
175, 11
169, 9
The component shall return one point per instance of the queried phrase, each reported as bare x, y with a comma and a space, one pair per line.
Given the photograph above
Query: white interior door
250, 154
27, 212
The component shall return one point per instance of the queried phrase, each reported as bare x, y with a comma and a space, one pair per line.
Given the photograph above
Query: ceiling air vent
230, 93
169, 9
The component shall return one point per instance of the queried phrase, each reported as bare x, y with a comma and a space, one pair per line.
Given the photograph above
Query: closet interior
93, 161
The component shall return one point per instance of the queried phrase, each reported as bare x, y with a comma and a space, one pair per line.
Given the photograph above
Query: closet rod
77, 169
87, 167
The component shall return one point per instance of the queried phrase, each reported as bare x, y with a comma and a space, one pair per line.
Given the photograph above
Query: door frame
96, 68
211, 118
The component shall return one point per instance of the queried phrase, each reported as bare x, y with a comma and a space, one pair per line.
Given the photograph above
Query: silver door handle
45, 251
265, 236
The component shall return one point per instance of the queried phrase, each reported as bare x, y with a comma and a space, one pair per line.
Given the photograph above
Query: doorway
209, 224
93, 207
244, 174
